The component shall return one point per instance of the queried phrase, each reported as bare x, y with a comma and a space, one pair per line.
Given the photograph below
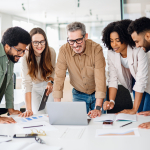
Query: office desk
19, 99
88, 140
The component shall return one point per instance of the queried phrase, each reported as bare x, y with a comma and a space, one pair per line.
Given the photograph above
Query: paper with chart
117, 132
34, 124
31, 119
114, 117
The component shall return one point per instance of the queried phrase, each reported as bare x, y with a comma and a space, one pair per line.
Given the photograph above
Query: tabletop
88, 141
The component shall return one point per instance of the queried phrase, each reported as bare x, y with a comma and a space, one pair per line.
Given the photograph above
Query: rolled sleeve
142, 72
26, 79
112, 74
53, 61
60, 74
100, 78
9, 94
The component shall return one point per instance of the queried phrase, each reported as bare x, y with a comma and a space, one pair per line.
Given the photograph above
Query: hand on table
13, 112
108, 105
49, 88
145, 113
27, 113
128, 111
7, 120
94, 113
145, 125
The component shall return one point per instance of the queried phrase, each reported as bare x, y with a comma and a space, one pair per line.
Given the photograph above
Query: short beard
11, 57
146, 45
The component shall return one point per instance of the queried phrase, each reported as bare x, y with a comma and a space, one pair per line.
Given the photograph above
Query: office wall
6, 21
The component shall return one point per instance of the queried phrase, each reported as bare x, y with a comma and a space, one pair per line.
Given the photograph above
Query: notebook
114, 117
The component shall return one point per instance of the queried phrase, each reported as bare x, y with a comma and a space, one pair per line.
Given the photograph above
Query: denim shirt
7, 66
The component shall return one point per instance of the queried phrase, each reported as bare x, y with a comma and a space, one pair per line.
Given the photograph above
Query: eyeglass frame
21, 51
38, 132
39, 140
39, 42
76, 40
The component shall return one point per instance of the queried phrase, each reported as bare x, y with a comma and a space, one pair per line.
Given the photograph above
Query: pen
125, 124
33, 126
6, 135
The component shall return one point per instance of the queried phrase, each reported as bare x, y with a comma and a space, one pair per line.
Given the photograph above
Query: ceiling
63, 11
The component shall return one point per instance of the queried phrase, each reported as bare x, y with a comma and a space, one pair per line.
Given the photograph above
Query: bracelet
112, 101
51, 82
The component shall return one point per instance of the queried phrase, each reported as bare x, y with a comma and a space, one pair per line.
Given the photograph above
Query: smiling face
76, 35
115, 43
38, 47
12, 52
141, 40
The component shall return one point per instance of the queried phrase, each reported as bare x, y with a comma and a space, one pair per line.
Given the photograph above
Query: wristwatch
98, 107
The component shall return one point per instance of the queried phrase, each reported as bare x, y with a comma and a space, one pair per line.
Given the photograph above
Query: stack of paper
27, 146
5, 139
113, 117
37, 126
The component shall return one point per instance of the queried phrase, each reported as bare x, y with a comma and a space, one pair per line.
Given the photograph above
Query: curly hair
15, 35
121, 28
139, 25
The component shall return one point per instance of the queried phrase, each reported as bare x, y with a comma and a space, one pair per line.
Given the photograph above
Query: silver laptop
67, 113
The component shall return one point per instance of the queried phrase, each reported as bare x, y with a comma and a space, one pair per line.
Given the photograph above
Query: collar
86, 51
2, 51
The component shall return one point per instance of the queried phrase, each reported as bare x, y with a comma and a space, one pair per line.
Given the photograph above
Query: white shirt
124, 62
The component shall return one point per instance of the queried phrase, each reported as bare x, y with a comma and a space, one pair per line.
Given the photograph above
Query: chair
123, 100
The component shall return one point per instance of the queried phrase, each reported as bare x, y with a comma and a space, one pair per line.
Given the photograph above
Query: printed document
114, 117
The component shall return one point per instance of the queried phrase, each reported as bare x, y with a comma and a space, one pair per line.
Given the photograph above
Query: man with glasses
140, 33
86, 66
12, 47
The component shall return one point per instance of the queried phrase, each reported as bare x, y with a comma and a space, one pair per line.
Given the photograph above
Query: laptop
67, 113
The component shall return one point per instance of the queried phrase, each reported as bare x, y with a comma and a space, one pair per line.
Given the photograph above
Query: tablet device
43, 101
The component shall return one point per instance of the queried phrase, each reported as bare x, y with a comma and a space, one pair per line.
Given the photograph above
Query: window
135, 9
92, 13
27, 26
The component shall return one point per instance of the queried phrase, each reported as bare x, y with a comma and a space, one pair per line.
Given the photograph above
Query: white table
88, 140
19, 100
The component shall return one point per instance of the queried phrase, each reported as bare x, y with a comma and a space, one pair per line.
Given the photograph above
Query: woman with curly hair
37, 71
127, 64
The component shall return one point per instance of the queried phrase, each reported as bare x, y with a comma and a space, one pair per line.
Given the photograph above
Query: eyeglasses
39, 140
39, 132
78, 41
19, 52
36, 43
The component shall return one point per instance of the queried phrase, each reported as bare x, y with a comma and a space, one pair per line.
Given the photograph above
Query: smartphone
108, 123
25, 135
43, 101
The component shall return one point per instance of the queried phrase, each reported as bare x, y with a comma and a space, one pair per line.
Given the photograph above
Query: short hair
121, 28
139, 25
14, 35
74, 26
